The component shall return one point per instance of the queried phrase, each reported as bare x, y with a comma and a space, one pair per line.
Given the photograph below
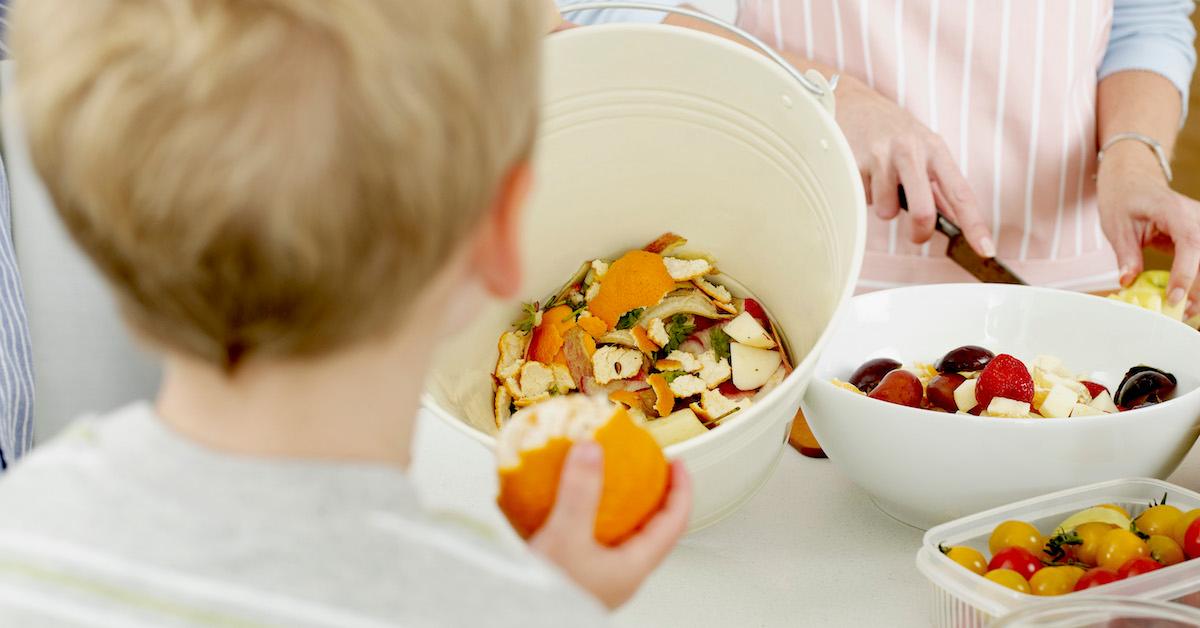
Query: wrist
1131, 158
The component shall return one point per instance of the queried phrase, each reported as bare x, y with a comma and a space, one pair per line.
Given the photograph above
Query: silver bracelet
1145, 139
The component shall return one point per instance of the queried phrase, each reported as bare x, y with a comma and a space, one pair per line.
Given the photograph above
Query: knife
987, 270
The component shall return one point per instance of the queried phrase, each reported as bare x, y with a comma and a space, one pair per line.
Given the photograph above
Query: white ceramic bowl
926, 467
650, 129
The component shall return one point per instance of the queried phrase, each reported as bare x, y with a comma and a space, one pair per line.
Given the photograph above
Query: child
294, 201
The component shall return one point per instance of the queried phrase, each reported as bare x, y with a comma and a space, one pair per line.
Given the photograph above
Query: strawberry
1005, 376
1094, 388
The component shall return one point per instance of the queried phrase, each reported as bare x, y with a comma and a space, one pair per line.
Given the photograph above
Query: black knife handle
949, 229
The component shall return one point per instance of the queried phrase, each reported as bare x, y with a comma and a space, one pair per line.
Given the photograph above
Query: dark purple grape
868, 376
1144, 386
940, 391
965, 359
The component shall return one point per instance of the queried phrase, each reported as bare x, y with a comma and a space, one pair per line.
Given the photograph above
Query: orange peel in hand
637, 279
533, 446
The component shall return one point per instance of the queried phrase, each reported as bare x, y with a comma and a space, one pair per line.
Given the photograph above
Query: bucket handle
812, 81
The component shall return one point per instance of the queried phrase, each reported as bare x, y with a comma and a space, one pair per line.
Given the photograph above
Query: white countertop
809, 550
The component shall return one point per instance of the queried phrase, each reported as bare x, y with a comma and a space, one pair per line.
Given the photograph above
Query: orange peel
664, 401
532, 448
637, 279
644, 343
593, 326
546, 340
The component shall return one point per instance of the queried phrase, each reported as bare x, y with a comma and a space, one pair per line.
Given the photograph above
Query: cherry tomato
1138, 566
1095, 577
1016, 534
1009, 578
1118, 547
1116, 508
1191, 539
1017, 559
1158, 520
1090, 534
1165, 550
1055, 580
1180, 528
968, 557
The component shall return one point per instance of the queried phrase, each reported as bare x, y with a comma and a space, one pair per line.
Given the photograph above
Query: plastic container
1090, 612
962, 599
648, 129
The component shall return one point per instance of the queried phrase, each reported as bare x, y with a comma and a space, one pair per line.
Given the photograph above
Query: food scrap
657, 331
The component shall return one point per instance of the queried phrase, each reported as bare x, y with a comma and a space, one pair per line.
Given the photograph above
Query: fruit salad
657, 330
973, 380
1091, 548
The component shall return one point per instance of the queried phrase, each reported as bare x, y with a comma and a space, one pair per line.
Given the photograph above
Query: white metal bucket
649, 129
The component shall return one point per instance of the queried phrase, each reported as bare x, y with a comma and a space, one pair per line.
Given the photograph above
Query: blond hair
273, 178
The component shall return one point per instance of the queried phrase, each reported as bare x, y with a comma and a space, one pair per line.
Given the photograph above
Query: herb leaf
630, 318
528, 317
719, 340
671, 376
678, 329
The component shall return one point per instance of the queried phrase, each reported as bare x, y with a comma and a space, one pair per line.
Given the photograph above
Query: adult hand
612, 574
1139, 209
893, 148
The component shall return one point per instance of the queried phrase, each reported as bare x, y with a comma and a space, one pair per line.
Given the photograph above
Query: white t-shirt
120, 521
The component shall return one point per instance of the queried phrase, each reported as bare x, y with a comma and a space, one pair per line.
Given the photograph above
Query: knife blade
987, 270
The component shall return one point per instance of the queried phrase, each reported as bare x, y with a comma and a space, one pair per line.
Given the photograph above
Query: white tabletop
809, 550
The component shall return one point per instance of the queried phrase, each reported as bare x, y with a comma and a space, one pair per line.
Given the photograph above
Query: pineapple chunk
1007, 409
1059, 403
964, 396
1085, 410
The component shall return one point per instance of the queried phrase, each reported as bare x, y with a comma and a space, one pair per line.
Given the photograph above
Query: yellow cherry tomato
1118, 547
1158, 520
1090, 534
1165, 550
1055, 580
968, 557
1116, 508
1181, 525
1009, 578
1016, 534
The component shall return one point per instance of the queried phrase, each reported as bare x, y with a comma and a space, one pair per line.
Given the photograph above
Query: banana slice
1095, 515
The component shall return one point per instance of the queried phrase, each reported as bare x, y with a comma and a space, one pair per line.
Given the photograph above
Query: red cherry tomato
1017, 559
755, 309
1097, 576
1138, 566
1191, 539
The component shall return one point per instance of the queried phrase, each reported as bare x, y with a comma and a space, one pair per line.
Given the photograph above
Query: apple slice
1059, 403
744, 329
964, 395
1104, 403
752, 367
675, 428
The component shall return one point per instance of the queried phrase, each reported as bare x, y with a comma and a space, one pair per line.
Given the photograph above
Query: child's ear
497, 248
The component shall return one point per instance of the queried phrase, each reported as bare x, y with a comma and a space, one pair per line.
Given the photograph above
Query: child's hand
612, 574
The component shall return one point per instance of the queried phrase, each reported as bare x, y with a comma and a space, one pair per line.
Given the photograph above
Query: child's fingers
656, 539
579, 490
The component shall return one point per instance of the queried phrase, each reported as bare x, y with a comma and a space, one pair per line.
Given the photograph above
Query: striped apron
1010, 85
